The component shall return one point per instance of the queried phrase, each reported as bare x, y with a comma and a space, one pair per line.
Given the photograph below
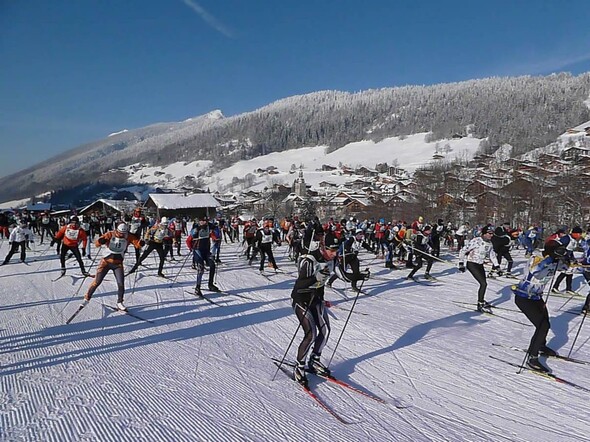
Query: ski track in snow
203, 372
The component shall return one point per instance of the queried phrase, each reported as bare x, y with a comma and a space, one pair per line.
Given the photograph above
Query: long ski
550, 376
575, 312
492, 305
201, 296
311, 394
332, 305
80, 307
338, 382
493, 315
266, 276
232, 293
560, 357
422, 281
127, 312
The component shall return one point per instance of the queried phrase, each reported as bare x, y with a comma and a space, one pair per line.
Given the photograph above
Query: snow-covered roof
39, 207
172, 201
122, 206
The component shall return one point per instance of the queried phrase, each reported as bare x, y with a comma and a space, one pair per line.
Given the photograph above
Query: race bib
118, 245
134, 227
204, 233
484, 251
72, 234
159, 235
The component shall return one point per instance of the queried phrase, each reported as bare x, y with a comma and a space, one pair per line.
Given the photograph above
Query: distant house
574, 153
327, 185
180, 204
38, 207
111, 207
366, 171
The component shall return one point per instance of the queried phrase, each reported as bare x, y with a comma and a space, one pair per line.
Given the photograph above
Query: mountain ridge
526, 112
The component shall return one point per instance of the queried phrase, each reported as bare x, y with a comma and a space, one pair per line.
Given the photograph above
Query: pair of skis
115, 309
286, 367
543, 374
470, 306
74, 276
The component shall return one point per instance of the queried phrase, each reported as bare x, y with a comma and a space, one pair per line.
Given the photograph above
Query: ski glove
322, 277
102, 241
141, 243
461, 267
83, 252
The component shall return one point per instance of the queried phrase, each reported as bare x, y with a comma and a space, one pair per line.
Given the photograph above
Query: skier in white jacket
476, 251
18, 238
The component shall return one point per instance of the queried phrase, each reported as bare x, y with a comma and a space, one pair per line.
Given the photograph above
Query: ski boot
546, 351
315, 366
534, 364
484, 307
299, 374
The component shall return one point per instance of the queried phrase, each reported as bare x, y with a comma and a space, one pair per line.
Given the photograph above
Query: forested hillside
526, 112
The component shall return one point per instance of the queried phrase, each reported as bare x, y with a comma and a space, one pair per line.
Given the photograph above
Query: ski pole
565, 303
181, 267
431, 256
579, 329
134, 285
294, 335
81, 284
346, 322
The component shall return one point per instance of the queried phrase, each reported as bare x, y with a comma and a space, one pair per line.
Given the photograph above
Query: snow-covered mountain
525, 112
203, 372
407, 153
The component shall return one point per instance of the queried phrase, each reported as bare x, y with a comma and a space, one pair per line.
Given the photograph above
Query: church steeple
299, 187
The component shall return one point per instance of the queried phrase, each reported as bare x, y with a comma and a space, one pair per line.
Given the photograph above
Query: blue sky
74, 71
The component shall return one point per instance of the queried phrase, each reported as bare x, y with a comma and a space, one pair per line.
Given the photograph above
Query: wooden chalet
175, 205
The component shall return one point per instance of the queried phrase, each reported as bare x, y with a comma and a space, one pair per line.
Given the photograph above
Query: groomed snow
203, 373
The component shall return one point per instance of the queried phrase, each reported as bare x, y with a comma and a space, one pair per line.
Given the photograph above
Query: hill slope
527, 112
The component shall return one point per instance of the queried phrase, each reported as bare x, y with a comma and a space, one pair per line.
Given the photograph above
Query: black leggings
509, 260
158, 247
13, 248
316, 328
568, 281
75, 251
479, 274
536, 312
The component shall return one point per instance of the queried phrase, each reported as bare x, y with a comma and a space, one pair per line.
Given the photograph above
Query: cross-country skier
265, 236
348, 257
308, 302
70, 236
199, 242
156, 236
529, 299
501, 241
476, 251
114, 246
571, 243
18, 238
422, 247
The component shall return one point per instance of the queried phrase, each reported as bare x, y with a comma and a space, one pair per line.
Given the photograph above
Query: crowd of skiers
324, 252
